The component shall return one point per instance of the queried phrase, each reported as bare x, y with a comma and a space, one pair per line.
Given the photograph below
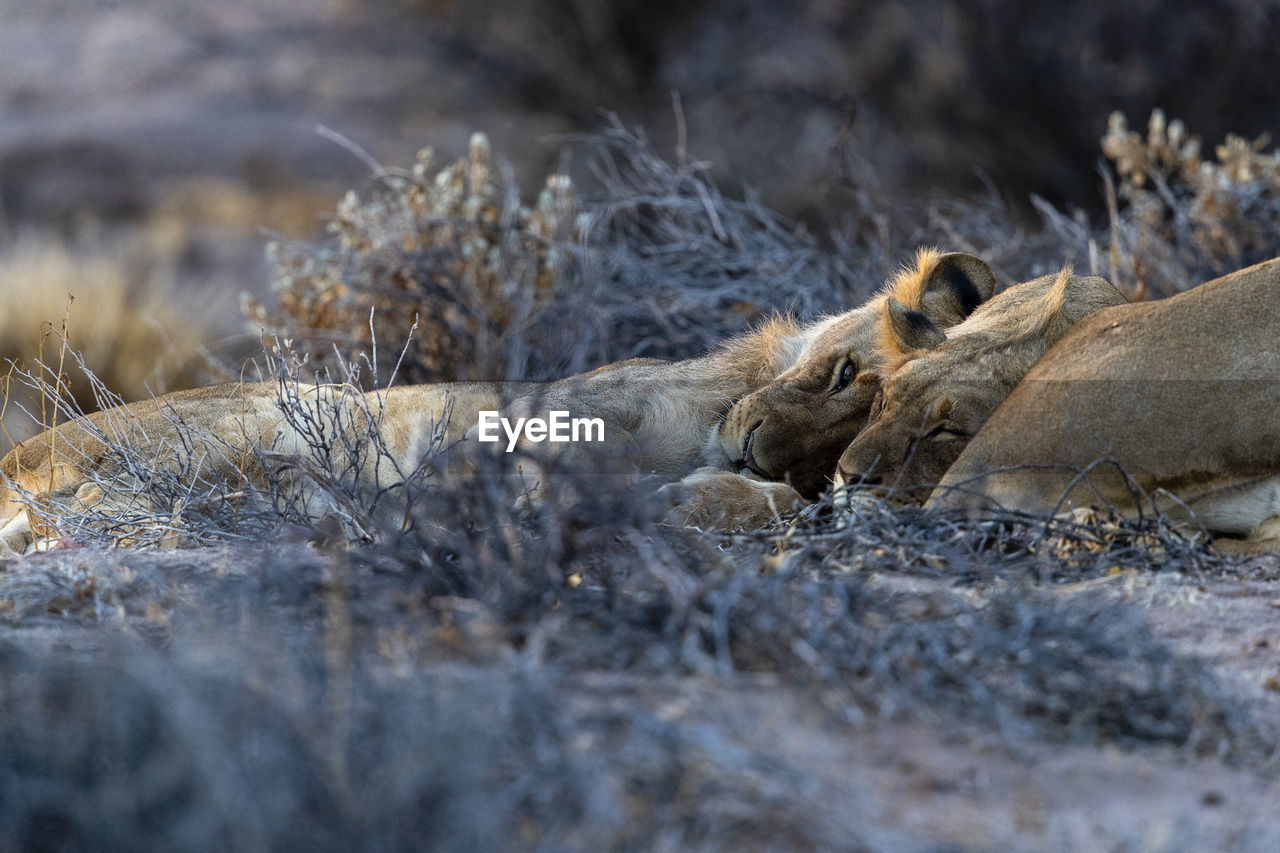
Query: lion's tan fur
1183, 395
938, 398
795, 427
214, 433
657, 415
1022, 314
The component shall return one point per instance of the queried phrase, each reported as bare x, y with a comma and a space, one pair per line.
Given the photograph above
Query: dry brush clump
1177, 217
1180, 216
653, 259
683, 264
451, 252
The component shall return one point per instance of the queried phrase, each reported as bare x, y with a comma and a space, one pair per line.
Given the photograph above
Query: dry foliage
452, 251
504, 680
113, 304
1181, 216
654, 259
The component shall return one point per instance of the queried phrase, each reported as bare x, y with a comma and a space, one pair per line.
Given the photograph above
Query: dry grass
507, 681
123, 299
113, 304
292, 211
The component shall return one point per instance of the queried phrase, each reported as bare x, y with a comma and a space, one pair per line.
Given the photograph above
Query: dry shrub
1176, 218
682, 264
452, 252
1179, 217
653, 260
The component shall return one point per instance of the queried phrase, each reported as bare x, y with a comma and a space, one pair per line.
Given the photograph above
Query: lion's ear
955, 284
911, 330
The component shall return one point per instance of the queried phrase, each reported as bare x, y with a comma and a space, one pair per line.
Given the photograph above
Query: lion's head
795, 427
943, 387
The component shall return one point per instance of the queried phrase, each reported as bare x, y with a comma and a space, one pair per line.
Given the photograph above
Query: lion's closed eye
946, 432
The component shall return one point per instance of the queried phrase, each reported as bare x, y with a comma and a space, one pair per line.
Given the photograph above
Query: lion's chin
714, 454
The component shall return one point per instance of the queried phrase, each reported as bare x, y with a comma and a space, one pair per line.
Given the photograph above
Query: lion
211, 436
219, 437
658, 414
944, 386
786, 437
1172, 402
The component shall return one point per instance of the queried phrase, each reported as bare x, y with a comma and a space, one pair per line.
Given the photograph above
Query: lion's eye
848, 370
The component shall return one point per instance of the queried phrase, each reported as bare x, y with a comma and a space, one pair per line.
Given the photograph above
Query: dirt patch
232, 651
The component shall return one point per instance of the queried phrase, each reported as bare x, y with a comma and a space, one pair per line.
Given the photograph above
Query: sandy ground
927, 783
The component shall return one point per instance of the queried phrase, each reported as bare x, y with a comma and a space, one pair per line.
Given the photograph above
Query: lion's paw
722, 500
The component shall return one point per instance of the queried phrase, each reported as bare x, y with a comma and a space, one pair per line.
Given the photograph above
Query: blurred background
149, 150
